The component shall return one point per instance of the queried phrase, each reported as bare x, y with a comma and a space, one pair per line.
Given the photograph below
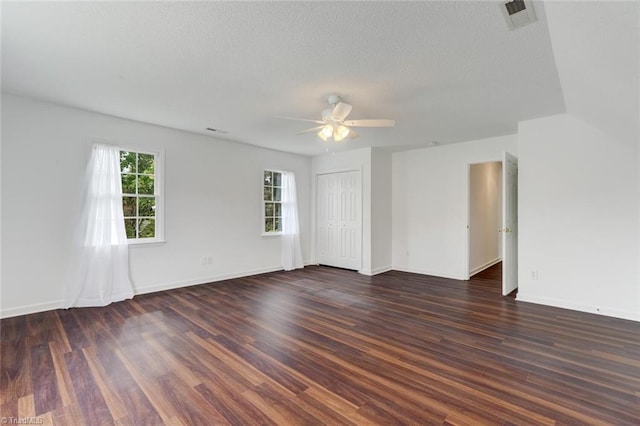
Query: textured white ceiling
597, 54
446, 71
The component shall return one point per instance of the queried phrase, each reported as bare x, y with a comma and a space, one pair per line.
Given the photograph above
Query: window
272, 202
140, 195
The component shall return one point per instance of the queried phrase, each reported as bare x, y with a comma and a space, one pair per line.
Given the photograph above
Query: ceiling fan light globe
340, 133
327, 131
322, 136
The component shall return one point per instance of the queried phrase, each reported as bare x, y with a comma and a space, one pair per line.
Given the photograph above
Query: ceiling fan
333, 124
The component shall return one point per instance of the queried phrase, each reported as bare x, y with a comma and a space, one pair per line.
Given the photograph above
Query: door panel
339, 223
509, 223
323, 217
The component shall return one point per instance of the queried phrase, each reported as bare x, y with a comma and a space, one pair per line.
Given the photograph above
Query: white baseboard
427, 272
375, 271
57, 304
485, 266
31, 309
204, 280
599, 310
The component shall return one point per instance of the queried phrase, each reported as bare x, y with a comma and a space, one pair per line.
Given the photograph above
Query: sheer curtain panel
290, 239
101, 262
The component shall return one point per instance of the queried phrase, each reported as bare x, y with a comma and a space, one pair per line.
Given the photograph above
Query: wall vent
518, 13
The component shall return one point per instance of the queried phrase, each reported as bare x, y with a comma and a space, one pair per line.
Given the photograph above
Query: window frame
264, 202
158, 193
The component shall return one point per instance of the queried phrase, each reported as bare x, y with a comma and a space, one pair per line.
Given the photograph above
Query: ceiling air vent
518, 13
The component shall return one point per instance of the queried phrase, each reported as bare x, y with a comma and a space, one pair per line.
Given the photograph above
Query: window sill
271, 234
146, 243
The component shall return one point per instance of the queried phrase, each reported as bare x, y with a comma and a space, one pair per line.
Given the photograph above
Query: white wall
430, 205
381, 210
595, 46
357, 159
1, 205
578, 217
485, 215
212, 200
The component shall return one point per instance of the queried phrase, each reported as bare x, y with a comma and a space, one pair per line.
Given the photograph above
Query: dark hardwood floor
322, 346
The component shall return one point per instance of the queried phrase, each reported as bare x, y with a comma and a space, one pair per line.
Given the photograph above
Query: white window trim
263, 233
158, 194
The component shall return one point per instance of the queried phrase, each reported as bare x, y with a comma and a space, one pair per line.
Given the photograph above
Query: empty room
320, 212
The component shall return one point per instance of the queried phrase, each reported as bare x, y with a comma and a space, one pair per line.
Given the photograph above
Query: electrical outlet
534, 275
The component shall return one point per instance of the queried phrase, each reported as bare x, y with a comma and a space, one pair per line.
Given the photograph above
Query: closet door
339, 220
326, 218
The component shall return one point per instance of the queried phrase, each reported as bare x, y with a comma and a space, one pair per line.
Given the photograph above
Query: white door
326, 218
339, 223
509, 223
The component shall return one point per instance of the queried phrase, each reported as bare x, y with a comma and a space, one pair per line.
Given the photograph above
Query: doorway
494, 201
485, 216
493, 219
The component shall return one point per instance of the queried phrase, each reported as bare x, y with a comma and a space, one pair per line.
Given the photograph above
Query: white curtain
101, 261
290, 239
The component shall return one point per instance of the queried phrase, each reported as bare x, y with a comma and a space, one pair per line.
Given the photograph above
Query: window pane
277, 209
276, 194
128, 184
268, 178
147, 206
129, 206
146, 228
145, 164
267, 194
277, 179
278, 224
268, 209
145, 185
127, 162
130, 227
268, 224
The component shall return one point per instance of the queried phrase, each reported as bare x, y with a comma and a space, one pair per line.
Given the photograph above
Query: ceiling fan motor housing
334, 99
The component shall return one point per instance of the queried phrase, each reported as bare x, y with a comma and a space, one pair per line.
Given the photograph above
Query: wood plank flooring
322, 346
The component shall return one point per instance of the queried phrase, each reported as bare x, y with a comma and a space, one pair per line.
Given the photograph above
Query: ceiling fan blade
313, 129
370, 123
300, 119
340, 111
